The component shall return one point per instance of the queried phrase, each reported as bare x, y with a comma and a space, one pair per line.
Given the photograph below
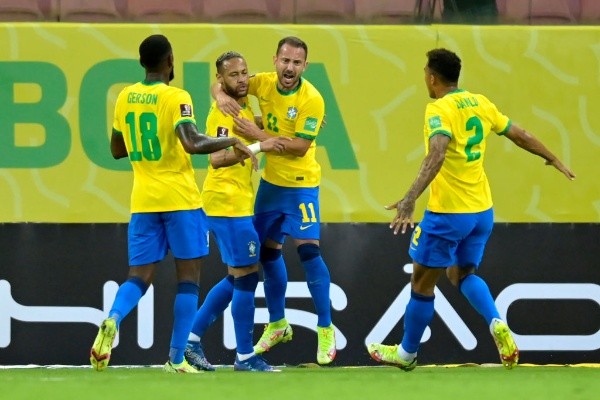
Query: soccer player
228, 199
287, 202
459, 216
154, 126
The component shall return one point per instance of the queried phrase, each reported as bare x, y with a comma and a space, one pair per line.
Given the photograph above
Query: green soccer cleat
326, 350
100, 351
183, 368
275, 332
507, 348
388, 355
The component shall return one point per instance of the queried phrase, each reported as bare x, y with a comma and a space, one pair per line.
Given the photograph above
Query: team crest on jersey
186, 110
222, 131
292, 112
252, 248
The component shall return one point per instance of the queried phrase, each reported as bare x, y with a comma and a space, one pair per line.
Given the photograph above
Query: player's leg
242, 312
216, 301
187, 236
432, 248
303, 224
417, 316
469, 254
268, 227
146, 245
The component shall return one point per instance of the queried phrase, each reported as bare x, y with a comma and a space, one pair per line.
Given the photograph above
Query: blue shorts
285, 211
151, 235
237, 240
446, 240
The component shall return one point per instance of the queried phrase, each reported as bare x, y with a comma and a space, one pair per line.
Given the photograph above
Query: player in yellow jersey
154, 127
459, 218
228, 198
287, 202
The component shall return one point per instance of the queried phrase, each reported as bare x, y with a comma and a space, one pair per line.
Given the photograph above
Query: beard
171, 75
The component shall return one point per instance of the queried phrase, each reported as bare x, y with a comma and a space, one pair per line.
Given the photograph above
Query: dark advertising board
57, 282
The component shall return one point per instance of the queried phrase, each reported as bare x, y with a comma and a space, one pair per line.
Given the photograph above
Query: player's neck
441, 92
156, 77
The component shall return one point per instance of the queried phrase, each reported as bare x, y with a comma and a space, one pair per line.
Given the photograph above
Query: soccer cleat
102, 347
326, 347
388, 355
183, 368
507, 348
255, 363
194, 354
275, 332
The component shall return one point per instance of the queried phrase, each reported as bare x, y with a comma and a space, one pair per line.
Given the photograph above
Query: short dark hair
445, 64
294, 42
228, 55
153, 50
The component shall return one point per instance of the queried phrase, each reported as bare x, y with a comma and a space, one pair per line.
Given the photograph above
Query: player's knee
139, 282
246, 283
187, 287
269, 254
308, 251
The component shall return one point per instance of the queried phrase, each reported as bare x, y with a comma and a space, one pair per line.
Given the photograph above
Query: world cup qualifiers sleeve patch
435, 122
310, 124
222, 131
186, 110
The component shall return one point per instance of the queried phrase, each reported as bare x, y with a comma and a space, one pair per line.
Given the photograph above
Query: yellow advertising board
59, 81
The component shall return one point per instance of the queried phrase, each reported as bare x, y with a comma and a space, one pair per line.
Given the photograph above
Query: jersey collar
281, 92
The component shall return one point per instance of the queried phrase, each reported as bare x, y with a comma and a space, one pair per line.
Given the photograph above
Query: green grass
423, 383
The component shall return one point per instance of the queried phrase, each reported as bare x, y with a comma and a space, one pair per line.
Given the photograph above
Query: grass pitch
464, 383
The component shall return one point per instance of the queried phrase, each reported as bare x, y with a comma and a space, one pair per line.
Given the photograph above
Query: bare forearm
206, 144
430, 167
223, 158
534, 146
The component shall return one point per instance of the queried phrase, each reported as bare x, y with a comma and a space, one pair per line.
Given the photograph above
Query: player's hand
275, 144
559, 166
242, 152
404, 215
246, 128
228, 105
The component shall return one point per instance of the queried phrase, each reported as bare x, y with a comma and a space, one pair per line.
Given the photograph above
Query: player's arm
295, 146
528, 142
430, 167
195, 143
117, 145
224, 158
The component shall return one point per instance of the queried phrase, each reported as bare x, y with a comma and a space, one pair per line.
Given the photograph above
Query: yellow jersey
462, 186
147, 114
298, 113
228, 191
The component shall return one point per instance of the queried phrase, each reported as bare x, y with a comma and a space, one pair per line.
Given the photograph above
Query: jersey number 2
474, 123
147, 126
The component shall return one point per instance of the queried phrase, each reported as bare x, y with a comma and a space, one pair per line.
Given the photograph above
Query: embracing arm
196, 143
248, 129
225, 103
530, 143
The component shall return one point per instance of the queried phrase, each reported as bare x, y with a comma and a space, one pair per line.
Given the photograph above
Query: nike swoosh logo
263, 99
305, 227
